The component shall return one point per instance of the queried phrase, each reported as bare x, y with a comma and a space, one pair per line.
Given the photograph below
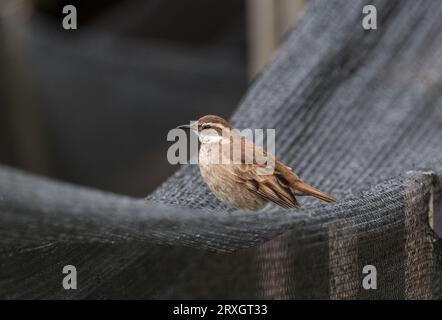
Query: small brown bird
244, 184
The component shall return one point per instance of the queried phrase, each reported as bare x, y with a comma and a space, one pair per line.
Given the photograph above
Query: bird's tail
298, 185
308, 190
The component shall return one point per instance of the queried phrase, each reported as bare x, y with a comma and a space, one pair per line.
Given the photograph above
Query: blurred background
93, 106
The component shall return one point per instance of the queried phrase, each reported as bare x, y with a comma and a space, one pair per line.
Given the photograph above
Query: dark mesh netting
357, 114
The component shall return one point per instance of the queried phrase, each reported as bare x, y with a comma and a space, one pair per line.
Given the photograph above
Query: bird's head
210, 128
216, 123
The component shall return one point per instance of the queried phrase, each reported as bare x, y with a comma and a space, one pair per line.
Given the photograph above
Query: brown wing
268, 187
275, 187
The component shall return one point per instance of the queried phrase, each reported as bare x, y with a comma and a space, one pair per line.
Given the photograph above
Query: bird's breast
222, 180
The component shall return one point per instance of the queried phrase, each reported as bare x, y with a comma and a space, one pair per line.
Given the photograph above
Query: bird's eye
206, 126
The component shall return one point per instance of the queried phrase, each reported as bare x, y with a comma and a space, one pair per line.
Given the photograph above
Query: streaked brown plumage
238, 184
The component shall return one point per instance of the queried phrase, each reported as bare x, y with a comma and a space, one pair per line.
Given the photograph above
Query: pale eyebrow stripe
214, 124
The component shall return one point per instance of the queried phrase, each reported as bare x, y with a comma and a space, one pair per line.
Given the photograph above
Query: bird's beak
184, 126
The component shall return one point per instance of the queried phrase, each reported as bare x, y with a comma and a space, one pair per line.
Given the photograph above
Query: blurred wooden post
24, 138
261, 33
268, 22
